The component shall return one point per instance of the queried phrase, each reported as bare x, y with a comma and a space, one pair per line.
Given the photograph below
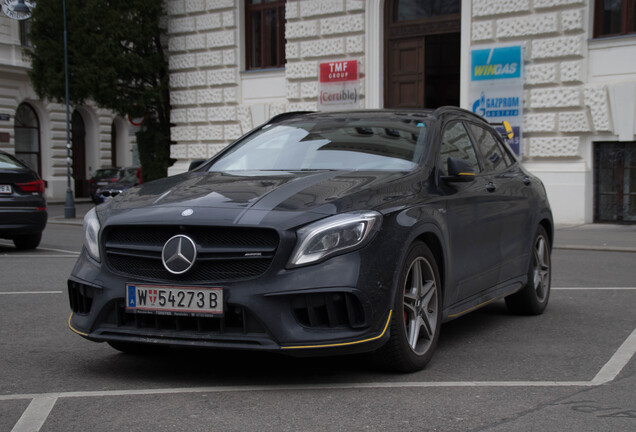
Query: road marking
593, 288
36, 414
30, 292
618, 361
60, 250
37, 256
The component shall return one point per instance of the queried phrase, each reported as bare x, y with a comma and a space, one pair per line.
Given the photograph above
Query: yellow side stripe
386, 326
466, 173
71, 327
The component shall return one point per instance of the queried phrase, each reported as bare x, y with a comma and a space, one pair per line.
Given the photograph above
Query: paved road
571, 369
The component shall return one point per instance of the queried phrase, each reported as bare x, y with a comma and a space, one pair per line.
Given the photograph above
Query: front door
422, 53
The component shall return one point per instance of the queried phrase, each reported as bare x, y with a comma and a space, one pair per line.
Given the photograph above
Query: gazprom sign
496, 63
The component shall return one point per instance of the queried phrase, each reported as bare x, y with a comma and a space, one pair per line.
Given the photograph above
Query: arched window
27, 137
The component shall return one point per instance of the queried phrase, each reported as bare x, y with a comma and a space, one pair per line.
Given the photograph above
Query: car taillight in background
34, 186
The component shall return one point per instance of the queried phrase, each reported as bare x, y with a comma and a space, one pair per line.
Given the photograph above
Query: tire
417, 313
28, 241
533, 298
135, 348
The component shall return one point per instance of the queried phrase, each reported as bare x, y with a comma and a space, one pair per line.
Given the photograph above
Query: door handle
491, 187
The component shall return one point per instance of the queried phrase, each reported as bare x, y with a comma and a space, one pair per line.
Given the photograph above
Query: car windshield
331, 144
7, 161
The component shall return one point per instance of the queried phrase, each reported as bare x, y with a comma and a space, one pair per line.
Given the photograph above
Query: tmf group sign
496, 87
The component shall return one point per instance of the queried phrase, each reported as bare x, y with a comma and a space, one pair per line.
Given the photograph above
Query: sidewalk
595, 237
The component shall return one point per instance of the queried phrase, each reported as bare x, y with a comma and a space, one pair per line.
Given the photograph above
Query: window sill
612, 41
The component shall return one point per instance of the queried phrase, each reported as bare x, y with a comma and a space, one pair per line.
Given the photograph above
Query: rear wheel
29, 241
533, 298
417, 313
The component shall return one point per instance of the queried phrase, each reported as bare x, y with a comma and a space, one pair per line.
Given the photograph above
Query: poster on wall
496, 87
339, 86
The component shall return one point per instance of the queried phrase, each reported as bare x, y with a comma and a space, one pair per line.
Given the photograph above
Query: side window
457, 144
495, 157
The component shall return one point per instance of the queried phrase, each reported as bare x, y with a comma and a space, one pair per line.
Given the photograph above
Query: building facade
35, 130
228, 75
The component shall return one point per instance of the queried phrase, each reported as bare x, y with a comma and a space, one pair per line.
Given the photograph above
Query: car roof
439, 113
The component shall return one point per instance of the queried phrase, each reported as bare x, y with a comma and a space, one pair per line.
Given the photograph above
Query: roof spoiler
508, 133
287, 115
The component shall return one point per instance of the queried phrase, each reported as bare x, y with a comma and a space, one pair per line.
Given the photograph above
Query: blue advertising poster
496, 63
496, 87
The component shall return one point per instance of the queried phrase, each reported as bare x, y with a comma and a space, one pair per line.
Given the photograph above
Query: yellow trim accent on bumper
386, 326
71, 327
466, 174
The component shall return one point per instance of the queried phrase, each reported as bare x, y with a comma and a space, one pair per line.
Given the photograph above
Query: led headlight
91, 234
334, 235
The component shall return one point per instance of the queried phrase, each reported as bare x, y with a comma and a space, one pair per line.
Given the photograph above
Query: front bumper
329, 308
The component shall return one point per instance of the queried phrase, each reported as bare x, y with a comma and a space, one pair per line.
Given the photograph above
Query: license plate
174, 300
5, 189
102, 183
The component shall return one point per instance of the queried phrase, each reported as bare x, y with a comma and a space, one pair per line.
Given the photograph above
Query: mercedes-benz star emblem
179, 254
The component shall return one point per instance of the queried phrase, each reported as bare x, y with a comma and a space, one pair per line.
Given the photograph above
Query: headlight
334, 235
91, 234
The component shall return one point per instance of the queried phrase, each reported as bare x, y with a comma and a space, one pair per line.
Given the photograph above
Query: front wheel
533, 298
417, 314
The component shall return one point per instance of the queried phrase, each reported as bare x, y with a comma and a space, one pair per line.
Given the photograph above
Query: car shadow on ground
187, 367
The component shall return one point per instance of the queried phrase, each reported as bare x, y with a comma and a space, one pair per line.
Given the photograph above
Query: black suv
320, 233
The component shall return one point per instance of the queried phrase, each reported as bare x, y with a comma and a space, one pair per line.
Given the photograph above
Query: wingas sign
496, 87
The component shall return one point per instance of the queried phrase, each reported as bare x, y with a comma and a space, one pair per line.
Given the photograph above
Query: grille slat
225, 253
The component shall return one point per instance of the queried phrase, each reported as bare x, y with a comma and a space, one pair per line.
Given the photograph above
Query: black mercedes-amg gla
320, 234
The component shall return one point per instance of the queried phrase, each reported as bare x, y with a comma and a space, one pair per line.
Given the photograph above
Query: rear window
333, 144
106, 172
7, 161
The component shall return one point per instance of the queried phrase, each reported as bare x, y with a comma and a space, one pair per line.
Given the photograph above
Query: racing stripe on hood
274, 198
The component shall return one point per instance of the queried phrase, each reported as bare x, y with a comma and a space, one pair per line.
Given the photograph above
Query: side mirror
195, 164
459, 171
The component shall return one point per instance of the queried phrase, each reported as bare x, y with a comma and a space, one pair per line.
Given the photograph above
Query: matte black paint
481, 232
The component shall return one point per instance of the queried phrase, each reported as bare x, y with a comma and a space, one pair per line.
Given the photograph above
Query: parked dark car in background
102, 177
129, 178
106, 177
320, 233
23, 212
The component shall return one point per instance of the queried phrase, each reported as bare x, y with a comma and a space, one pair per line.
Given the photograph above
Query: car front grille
224, 253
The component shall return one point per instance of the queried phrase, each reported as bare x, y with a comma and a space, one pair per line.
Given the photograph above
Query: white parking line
618, 361
593, 288
30, 292
36, 414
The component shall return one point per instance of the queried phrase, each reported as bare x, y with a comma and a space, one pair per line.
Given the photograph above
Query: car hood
256, 198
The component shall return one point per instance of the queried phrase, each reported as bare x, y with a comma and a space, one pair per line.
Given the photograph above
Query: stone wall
205, 66
204, 73
560, 108
319, 31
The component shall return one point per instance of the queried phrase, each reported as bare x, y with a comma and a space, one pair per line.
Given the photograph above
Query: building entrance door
422, 53
615, 182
